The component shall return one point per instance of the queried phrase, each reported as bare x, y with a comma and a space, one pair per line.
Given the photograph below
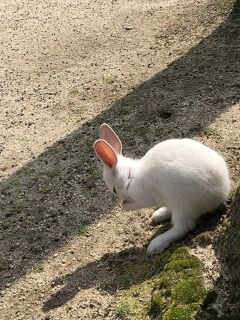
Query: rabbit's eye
114, 190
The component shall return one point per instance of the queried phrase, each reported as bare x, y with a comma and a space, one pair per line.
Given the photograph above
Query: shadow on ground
53, 197
109, 273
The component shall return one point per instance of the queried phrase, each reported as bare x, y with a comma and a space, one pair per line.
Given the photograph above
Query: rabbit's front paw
157, 245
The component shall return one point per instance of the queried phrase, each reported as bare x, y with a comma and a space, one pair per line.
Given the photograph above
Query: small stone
128, 28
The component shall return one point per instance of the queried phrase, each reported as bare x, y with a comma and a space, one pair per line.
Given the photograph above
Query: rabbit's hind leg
181, 226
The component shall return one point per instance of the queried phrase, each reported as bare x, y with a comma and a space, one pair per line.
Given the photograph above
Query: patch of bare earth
153, 70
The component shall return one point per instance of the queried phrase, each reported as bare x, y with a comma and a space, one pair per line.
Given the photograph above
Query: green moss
128, 308
182, 263
158, 304
181, 260
170, 285
203, 239
186, 292
181, 312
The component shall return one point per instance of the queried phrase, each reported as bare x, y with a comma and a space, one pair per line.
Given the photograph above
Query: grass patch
34, 237
223, 5
52, 173
73, 91
126, 281
95, 175
15, 208
38, 268
166, 287
36, 249
123, 110
46, 189
83, 231
78, 167
76, 109
212, 132
27, 170
111, 79
79, 109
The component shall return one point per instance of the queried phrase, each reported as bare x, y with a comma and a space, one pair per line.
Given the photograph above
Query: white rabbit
182, 176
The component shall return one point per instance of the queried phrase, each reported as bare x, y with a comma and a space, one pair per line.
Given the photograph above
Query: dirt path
153, 70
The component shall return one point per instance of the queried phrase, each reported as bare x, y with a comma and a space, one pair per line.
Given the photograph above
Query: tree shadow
55, 195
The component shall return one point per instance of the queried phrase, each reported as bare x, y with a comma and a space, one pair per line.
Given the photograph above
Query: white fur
160, 215
185, 177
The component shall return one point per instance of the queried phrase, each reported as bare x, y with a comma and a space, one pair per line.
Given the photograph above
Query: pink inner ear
107, 134
105, 152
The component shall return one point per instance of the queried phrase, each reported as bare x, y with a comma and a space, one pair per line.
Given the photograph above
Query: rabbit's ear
105, 153
107, 134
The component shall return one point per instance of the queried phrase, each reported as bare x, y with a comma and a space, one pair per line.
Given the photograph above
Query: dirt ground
152, 70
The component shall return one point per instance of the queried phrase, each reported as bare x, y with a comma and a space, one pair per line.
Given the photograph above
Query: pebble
128, 28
